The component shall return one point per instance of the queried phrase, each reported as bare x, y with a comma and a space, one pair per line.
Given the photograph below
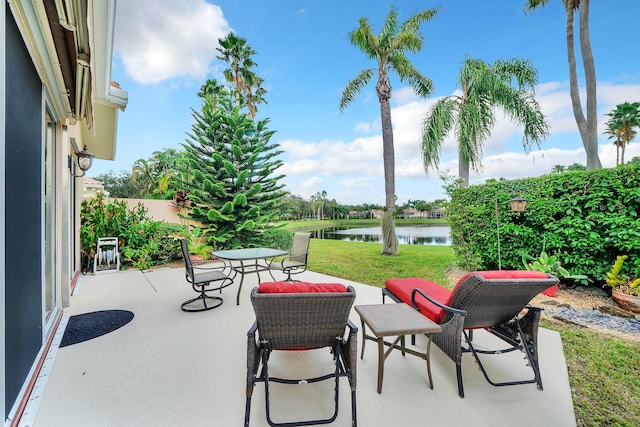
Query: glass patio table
248, 261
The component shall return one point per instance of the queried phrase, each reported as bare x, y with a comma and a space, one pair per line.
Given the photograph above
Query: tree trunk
574, 90
593, 160
389, 238
463, 170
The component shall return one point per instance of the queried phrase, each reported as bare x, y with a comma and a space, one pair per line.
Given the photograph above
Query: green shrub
584, 218
277, 238
142, 241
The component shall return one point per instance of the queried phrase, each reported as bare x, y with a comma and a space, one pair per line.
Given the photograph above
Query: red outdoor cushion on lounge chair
402, 289
490, 300
299, 287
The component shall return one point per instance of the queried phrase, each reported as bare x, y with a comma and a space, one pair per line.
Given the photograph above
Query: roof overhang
83, 32
99, 132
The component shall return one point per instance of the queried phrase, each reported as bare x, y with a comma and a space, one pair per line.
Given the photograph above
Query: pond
431, 234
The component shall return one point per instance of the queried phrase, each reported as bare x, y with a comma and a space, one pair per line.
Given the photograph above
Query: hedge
587, 218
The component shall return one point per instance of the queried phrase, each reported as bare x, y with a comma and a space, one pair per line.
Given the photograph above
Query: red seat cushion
510, 274
299, 287
402, 289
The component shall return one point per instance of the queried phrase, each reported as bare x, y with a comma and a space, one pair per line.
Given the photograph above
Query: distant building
414, 213
91, 188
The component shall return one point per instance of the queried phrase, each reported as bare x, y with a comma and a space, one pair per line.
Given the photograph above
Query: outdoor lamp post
518, 204
85, 160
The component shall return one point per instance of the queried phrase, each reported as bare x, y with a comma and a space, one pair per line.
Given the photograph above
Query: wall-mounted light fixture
85, 159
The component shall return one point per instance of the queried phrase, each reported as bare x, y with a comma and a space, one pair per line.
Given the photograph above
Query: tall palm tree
588, 127
238, 54
388, 50
471, 114
623, 120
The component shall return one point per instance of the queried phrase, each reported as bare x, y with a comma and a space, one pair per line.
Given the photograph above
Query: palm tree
237, 53
588, 127
211, 92
472, 113
621, 125
558, 169
388, 50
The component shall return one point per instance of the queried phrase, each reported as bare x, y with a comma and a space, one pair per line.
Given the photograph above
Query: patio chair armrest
288, 258
253, 358
252, 330
349, 349
223, 266
433, 301
450, 339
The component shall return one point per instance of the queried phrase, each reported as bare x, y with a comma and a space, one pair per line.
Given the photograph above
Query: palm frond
354, 87
436, 125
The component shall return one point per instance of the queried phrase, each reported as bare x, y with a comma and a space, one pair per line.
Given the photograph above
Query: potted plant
625, 291
199, 248
550, 264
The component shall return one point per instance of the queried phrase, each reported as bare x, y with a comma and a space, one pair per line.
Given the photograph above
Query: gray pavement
170, 368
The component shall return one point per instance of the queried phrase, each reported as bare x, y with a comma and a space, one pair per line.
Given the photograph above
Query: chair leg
204, 297
459, 376
247, 412
339, 372
354, 412
523, 346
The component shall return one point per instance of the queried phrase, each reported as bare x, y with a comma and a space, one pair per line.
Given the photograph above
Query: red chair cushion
402, 289
510, 274
299, 287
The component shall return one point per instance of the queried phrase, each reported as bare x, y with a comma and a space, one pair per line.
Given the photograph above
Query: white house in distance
57, 98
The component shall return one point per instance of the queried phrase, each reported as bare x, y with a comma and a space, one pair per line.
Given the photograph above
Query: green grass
604, 372
362, 262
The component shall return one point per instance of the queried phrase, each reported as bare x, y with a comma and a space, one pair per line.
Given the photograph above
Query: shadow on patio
170, 368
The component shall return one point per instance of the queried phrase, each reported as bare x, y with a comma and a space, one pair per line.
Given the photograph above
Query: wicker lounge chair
203, 279
296, 262
301, 316
490, 300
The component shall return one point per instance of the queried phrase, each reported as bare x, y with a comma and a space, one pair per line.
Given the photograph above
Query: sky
165, 50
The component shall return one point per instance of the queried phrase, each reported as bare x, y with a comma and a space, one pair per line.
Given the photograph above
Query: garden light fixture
518, 204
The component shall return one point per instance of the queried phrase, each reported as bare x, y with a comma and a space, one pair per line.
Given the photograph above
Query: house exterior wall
39, 197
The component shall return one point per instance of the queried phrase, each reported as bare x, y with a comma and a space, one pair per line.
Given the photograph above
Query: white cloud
353, 171
155, 45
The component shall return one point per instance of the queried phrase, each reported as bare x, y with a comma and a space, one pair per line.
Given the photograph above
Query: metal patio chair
204, 278
296, 262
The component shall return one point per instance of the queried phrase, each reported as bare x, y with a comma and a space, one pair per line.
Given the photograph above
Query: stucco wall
159, 210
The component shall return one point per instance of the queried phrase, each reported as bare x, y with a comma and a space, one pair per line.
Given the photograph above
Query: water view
435, 234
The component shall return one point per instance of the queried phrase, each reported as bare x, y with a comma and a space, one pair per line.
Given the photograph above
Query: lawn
604, 372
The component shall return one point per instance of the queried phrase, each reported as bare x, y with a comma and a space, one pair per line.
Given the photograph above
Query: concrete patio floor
171, 368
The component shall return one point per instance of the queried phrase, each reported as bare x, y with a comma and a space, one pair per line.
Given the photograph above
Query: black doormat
83, 327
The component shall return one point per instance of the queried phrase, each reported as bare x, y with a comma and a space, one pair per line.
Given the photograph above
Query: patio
170, 368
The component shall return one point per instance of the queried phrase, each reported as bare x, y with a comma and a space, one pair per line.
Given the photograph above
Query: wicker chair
301, 316
203, 279
490, 300
296, 262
